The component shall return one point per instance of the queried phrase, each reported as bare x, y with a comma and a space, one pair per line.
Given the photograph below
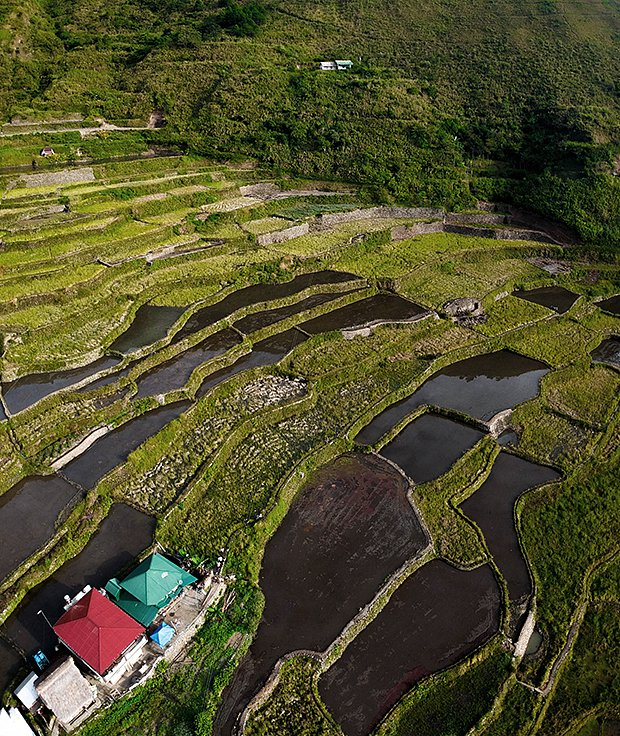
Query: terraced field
202, 345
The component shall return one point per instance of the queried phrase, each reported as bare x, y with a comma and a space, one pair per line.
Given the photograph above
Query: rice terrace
309, 368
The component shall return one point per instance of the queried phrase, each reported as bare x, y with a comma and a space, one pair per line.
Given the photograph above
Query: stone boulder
465, 307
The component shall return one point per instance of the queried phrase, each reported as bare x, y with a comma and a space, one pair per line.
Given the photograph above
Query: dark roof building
97, 631
66, 692
149, 588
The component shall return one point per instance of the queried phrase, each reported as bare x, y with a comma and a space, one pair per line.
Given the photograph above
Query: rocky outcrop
463, 307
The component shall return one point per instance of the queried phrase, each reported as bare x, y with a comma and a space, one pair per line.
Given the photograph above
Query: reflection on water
479, 387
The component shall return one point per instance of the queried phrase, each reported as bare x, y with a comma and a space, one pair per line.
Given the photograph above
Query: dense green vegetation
446, 103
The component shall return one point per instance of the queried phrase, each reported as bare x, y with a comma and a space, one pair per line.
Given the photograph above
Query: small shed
343, 65
328, 66
66, 692
26, 692
47, 151
13, 723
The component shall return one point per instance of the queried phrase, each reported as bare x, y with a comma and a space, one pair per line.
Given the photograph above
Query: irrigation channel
123, 534
480, 387
350, 527
556, 298
437, 616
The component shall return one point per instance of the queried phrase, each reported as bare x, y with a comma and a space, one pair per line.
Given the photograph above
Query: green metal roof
136, 609
156, 581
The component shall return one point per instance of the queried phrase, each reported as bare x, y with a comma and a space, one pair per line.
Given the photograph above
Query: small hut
47, 151
66, 692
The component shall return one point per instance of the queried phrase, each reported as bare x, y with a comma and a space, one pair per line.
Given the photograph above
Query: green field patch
451, 702
551, 437
587, 392
509, 313
293, 707
591, 679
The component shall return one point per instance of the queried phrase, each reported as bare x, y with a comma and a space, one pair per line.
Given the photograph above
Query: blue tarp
163, 634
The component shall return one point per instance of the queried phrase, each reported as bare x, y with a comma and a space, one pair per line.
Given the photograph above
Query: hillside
199, 359
447, 101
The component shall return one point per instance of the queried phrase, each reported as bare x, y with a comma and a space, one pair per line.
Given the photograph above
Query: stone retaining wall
281, 236
324, 222
481, 218
404, 232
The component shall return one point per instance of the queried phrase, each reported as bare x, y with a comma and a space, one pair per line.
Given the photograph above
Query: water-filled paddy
491, 508
366, 312
350, 527
480, 387
259, 320
114, 448
24, 392
265, 352
610, 305
428, 447
150, 325
556, 298
28, 515
10, 663
608, 351
256, 294
173, 374
436, 617
122, 536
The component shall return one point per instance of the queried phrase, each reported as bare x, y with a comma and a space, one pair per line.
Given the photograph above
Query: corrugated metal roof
156, 581
97, 630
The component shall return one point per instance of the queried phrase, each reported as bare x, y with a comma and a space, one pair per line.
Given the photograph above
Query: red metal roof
97, 630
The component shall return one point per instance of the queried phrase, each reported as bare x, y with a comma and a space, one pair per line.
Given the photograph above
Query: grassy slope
441, 87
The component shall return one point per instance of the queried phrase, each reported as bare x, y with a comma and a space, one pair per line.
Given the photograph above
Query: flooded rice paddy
429, 445
28, 515
480, 387
556, 298
10, 664
173, 374
608, 352
491, 507
610, 305
437, 616
150, 325
115, 447
257, 294
351, 526
124, 533
23, 392
265, 352
259, 320
365, 313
